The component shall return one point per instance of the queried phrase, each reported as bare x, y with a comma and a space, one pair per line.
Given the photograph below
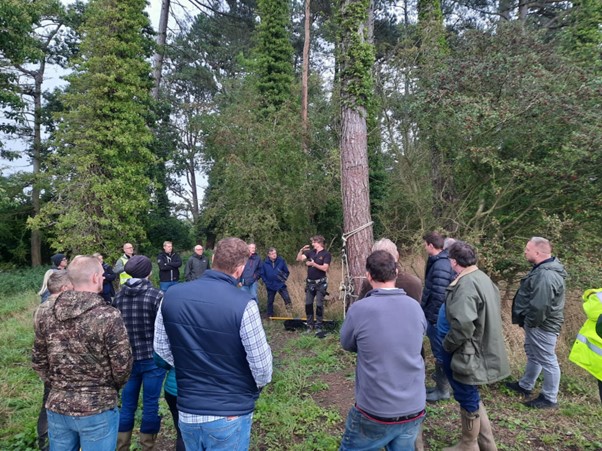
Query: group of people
207, 336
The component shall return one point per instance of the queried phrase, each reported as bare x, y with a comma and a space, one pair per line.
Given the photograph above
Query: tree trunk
161, 38
356, 90
36, 238
305, 77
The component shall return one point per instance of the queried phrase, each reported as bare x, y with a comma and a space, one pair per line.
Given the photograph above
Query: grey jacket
539, 301
475, 339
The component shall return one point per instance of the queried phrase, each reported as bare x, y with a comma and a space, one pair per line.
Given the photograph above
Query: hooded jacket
82, 349
539, 301
587, 350
274, 273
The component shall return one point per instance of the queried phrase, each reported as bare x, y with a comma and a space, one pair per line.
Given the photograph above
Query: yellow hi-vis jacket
587, 350
123, 276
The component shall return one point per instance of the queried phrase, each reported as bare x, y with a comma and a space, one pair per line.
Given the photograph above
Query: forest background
481, 119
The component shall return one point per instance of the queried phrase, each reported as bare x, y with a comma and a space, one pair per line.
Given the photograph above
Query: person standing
389, 380
473, 348
251, 273
108, 277
437, 277
538, 307
317, 259
119, 266
59, 263
169, 263
81, 349
138, 301
219, 375
274, 273
196, 264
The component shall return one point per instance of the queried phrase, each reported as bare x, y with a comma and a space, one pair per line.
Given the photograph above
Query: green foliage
14, 209
583, 35
100, 171
274, 54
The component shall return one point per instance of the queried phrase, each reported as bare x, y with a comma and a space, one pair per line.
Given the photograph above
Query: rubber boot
123, 441
148, 441
441, 390
485, 439
471, 425
419, 444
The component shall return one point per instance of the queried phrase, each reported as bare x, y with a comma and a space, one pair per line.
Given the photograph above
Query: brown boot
485, 439
471, 426
123, 441
147, 441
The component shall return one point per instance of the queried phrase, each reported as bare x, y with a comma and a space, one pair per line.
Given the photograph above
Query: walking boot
147, 441
123, 441
471, 425
441, 390
485, 439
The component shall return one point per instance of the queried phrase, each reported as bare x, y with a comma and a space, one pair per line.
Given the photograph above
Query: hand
305, 248
309, 263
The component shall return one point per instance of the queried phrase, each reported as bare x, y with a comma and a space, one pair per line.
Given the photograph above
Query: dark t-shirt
322, 257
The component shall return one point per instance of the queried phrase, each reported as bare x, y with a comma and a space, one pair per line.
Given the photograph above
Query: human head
537, 250
317, 241
230, 256
448, 242
85, 273
433, 243
139, 266
58, 282
59, 261
463, 254
198, 249
168, 246
272, 253
252, 248
381, 266
385, 244
128, 249
98, 255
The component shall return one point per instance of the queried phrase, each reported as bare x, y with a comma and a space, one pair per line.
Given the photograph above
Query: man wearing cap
211, 332
119, 266
59, 261
138, 302
196, 264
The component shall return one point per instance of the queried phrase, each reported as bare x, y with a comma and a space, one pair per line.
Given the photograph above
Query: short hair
167, 242
198, 245
82, 268
434, 238
543, 245
229, 254
56, 281
318, 239
385, 244
96, 254
382, 266
463, 253
272, 249
448, 242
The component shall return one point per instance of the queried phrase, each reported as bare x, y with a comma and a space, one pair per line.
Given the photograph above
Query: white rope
345, 276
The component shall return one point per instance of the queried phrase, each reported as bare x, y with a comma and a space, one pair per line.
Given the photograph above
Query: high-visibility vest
587, 350
123, 276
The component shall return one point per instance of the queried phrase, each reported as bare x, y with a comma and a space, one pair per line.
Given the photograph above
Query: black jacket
438, 276
168, 267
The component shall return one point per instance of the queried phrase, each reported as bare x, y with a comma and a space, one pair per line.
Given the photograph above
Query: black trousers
173, 408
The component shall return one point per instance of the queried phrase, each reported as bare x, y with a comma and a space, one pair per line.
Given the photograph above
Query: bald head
85, 273
537, 250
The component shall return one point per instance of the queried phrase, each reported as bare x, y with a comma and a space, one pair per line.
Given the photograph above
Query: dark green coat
475, 339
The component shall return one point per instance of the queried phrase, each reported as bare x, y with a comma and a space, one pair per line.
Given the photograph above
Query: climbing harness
347, 287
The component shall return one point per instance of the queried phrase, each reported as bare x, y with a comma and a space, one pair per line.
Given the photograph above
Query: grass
305, 406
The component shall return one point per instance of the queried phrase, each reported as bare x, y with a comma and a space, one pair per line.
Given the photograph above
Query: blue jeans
228, 434
467, 395
146, 374
540, 347
364, 434
251, 289
93, 432
436, 342
164, 286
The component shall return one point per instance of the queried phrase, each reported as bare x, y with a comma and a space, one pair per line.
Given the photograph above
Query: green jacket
539, 301
475, 339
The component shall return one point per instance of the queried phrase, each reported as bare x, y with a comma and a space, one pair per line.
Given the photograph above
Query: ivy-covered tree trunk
305, 77
356, 61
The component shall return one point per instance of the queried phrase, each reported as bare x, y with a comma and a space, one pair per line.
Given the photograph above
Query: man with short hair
538, 307
119, 266
437, 277
82, 349
169, 263
108, 277
317, 259
389, 381
274, 273
473, 344
251, 273
211, 332
196, 264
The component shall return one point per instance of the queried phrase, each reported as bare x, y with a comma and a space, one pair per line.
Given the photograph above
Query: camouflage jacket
82, 349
